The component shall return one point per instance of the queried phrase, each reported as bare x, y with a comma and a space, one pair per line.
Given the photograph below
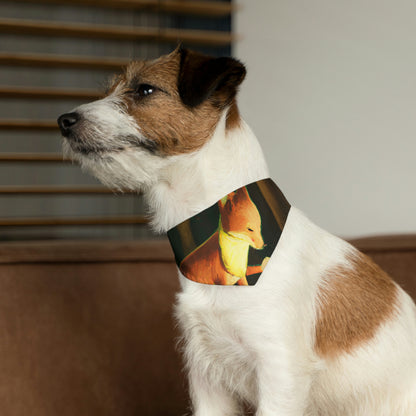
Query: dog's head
152, 112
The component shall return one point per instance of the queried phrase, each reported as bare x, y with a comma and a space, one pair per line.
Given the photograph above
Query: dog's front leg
209, 399
283, 386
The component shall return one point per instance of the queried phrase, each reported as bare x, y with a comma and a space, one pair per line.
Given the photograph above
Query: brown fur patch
233, 116
353, 303
162, 117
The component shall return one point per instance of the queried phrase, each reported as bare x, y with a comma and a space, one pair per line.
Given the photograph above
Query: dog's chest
215, 342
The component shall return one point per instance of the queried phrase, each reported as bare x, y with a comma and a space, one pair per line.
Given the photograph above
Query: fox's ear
223, 201
202, 77
228, 201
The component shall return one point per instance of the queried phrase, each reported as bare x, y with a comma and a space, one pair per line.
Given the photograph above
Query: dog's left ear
202, 77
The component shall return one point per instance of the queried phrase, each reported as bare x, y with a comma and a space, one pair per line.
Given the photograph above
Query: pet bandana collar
231, 242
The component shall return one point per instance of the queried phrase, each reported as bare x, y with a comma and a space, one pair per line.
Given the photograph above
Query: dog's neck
193, 182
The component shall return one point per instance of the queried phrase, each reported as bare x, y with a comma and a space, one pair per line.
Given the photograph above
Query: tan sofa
86, 328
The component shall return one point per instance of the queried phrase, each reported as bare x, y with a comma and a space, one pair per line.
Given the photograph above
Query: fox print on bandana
231, 242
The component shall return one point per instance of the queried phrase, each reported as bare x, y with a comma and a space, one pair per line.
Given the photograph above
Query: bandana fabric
231, 242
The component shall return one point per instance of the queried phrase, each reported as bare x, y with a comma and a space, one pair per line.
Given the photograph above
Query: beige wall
331, 95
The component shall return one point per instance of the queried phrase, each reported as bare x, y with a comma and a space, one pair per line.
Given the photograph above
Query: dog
324, 331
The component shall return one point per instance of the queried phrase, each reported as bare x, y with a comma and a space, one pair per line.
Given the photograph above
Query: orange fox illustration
222, 259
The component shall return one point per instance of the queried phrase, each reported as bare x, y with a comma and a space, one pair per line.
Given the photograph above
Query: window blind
55, 55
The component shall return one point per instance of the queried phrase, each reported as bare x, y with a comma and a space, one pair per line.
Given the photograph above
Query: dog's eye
250, 229
143, 90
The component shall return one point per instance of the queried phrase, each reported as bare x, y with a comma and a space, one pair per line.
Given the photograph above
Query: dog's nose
67, 121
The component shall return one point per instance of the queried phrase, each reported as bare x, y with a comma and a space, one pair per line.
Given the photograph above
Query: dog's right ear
202, 77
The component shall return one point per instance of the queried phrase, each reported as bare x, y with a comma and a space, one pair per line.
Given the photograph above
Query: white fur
190, 183
256, 343
108, 121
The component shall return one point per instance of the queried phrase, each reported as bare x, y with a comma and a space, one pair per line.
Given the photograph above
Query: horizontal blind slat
63, 29
48, 93
32, 157
202, 8
16, 124
61, 61
68, 221
60, 190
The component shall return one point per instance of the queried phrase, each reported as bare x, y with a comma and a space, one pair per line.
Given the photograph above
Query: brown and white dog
325, 331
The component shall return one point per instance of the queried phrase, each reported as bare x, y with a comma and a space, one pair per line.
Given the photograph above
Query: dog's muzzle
67, 123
